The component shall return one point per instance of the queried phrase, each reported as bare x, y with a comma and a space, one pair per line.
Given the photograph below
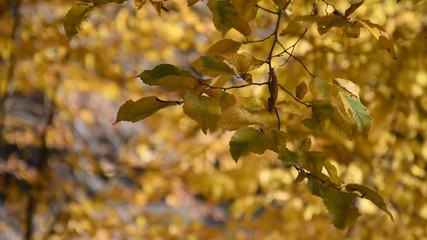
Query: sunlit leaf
347, 85
169, 76
322, 90
381, 35
234, 118
135, 111
247, 140
289, 107
358, 111
225, 17
388, 45
340, 205
371, 195
333, 173
224, 46
340, 124
74, 18
243, 62
210, 66
250, 103
298, 25
204, 110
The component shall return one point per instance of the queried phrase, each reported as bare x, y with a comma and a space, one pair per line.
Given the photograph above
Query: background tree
164, 178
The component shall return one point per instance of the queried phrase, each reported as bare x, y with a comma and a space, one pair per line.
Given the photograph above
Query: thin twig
293, 47
232, 87
260, 40
267, 10
295, 98
277, 116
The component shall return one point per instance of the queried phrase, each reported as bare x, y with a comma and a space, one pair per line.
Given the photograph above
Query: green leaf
322, 90
74, 18
247, 140
204, 110
170, 77
225, 17
211, 67
358, 111
381, 35
298, 25
333, 173
243, 62
135, 111
340, 205
224, 46
234, 118
287, 156
371, 195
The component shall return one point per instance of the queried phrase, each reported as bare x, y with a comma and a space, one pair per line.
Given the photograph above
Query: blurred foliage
67, 173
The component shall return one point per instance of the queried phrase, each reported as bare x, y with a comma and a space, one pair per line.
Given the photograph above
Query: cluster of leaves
205, 94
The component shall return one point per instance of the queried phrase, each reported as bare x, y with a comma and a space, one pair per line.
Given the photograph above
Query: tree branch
232, 87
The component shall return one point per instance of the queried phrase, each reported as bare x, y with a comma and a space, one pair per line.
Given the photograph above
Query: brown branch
293, 47
267, 10
278, 117
257, 41
232, 87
